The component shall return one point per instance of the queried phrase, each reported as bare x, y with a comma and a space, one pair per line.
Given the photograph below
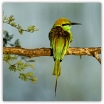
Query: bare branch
47, 51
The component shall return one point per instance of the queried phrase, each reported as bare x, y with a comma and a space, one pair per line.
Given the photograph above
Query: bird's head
65, 23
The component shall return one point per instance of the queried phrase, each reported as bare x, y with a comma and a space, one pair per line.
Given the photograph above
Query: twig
97, 57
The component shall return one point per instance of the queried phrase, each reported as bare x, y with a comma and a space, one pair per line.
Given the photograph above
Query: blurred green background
80, 79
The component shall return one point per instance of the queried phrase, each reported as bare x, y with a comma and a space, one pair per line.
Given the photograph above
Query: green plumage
59, 42
60, 38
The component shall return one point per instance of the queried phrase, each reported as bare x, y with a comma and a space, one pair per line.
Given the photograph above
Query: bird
60, 38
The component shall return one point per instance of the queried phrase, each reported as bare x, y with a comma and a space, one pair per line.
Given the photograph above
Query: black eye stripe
66, 24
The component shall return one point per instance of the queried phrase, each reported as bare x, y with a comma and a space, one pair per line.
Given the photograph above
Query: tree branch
94, 51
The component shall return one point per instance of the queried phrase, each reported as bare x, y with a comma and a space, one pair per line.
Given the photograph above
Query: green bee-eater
60, 38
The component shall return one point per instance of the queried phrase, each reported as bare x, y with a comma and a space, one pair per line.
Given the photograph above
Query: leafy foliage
7, 40
28, 76
17, 43
13, 67
18, 63
20, 67
11, 21
8, 57
31, 29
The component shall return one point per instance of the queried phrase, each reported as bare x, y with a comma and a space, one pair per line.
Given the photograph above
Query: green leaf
31, 28
34, 80
17, 43
21, 65
20, 29
13, 68
30, 61
5, 18
32, 65
10, 19
8, 57
31, 77
4, 42
30, 74
18, 26
23, 77
7, 36
13, 24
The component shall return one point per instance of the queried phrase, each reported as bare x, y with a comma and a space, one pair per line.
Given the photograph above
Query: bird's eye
65, 24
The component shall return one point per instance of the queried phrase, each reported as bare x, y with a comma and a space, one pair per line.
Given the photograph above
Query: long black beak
73, 23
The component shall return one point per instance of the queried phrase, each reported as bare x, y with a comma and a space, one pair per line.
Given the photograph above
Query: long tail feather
57, 72
55, 87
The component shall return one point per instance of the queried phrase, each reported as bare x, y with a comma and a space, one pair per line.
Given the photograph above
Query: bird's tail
57, 72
